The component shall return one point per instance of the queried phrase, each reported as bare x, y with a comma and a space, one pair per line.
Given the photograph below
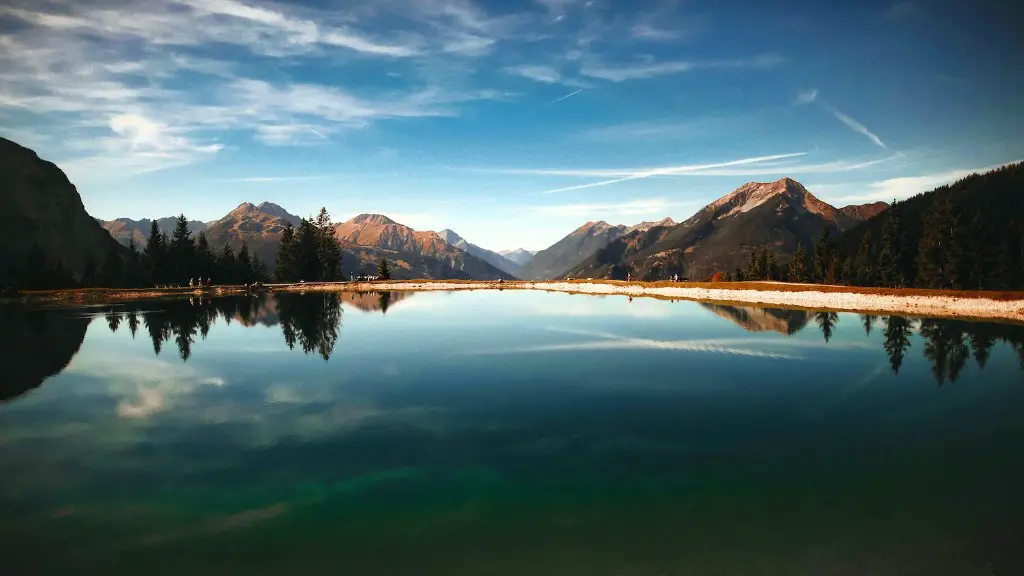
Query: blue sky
511, 123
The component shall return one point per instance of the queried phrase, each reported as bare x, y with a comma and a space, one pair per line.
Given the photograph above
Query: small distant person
629, 278
191, 282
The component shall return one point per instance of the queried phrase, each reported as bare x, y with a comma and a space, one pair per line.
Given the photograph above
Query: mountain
260, 227
864, 211
645, 226
569, 252
755, 319
493, 258
42, 208
124, 228
35, 345
367, 238
518, 256
721, 235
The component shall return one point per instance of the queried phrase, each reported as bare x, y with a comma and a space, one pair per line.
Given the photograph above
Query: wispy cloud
858, 127
907, 186
608, 342
647, 32
643, 207
263, 179
636, 71
545, 74
807, 96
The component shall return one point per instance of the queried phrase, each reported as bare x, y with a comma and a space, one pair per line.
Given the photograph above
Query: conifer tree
328, 250
284, 270
934, 255
798, 265
978, 257
771, 265
154, 255
259, 269
307, 264
205, 259
227, 265
893, 253
864, 264
133, 265
753, 271
244, 265
182, 250
383, 271
824, 265
112, 272
1010, 258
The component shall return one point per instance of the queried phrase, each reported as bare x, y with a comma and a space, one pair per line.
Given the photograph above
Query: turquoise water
506, 433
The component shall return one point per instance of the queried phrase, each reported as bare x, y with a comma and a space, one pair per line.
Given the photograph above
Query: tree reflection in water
312, 322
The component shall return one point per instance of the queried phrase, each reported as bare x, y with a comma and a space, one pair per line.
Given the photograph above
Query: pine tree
823, 258
1011, 258
205, 258
227, 265
934, 256
737, 276
383, 271
864, 264
133, 265
259, 270
764, 259
244, 265
847, 275
753, 271
154, 255
182, 250
304, 255
112, 272
798, 265
771, 265
284, 270
328, 250
978, 268
893, 253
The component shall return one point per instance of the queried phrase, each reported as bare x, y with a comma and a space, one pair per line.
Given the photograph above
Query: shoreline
904, 302
992, 305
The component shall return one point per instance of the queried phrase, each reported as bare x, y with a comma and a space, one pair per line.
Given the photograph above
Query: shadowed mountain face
35, 345
122, 229
41, 207
721, 236
569, 252
762, 319
493, 258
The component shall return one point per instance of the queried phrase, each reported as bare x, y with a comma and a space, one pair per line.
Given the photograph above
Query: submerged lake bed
512, 432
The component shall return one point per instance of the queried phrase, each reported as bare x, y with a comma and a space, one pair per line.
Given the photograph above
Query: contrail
675, 170
318, 134
566, 96
858, 127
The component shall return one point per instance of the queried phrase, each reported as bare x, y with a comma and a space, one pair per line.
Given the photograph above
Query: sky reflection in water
507, 433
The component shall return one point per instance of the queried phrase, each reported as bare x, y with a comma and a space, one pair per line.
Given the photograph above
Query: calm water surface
506, 433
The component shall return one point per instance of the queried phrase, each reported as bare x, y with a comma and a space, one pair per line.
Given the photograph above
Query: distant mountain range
49, 224
519, 256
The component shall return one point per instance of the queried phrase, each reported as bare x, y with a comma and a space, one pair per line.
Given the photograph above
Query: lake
508, 433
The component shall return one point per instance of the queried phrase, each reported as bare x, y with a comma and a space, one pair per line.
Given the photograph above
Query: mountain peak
271, 208
753, 194
450, 236
377, 219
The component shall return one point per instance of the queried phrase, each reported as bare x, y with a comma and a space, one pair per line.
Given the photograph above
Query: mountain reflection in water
37, 344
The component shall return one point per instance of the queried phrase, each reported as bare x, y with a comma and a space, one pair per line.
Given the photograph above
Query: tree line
966, 236
310, 252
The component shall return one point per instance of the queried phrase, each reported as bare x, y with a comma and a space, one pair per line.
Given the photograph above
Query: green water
506, 433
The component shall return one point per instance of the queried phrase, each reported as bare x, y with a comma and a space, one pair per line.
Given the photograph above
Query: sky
511, 123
